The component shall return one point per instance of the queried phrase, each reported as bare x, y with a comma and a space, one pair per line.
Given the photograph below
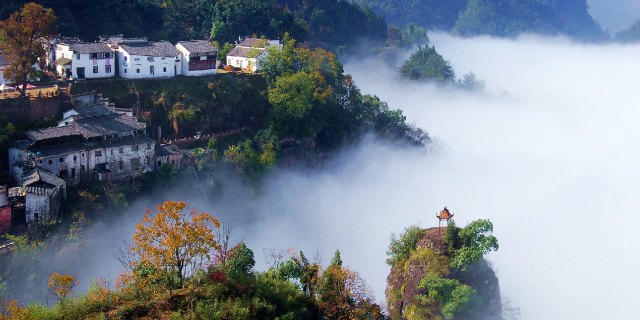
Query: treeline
328, 23
180, 264
505, 18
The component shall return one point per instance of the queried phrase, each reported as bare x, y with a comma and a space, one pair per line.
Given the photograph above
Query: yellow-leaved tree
62, 285
172, 242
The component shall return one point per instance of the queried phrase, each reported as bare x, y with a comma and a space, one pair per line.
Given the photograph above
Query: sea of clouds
548, 151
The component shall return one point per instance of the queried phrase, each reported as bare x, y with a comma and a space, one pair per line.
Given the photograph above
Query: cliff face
406, 300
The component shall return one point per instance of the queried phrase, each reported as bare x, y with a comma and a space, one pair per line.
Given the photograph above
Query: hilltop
426, 281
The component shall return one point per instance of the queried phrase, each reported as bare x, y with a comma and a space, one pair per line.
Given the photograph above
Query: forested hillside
494, 17
327, 23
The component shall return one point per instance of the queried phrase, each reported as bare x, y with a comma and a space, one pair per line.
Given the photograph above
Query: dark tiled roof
57, 150
40, 175
53, 132
106, 125
89, 47
167, 150
94, 110
198, 46
151, 49
90, 127
254, 42
244, 52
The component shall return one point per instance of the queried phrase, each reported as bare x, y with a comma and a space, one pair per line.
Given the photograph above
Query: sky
614, 15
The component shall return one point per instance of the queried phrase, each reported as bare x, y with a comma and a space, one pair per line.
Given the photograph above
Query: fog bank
549, 153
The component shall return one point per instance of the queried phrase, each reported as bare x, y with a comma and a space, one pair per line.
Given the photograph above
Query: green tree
279, 62
20, 37
452, 296
292, 98
475, 241
223, 51
427, 64
413, 34
471, 82
401, 248
233, 18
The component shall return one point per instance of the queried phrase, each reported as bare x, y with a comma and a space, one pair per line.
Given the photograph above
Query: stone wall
24, 111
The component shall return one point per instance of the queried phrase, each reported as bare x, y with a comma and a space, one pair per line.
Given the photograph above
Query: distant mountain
432, 14
630, 35
505, 18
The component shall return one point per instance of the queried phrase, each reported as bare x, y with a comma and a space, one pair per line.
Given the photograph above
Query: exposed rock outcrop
432, 255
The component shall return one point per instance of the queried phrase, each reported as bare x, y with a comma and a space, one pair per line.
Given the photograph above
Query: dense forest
494, 17
328, 23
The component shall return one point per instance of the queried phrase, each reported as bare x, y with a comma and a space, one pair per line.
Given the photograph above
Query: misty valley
320, 159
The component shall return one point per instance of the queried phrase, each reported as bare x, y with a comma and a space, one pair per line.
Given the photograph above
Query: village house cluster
137, 58
133, 58
94, 140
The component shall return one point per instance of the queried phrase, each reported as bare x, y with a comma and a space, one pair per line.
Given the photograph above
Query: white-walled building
138, 58
92, 141
84, 60
198, 57
247, 53
44, 194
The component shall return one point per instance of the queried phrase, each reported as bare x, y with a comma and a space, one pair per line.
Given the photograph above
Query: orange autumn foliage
61, 285
12, 311
173, 239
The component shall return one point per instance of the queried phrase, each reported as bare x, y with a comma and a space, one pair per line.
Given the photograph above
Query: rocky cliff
408, 299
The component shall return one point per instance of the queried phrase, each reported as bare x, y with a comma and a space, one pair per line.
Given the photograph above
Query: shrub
475, 241
452, 296
400, 248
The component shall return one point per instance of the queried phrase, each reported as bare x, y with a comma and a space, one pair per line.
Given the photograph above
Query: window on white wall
95, 69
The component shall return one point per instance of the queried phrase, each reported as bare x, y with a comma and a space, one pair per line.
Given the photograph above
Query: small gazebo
444, 215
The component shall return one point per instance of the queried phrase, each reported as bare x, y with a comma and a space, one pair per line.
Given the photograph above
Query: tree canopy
173, 241
427, 64
471, 243
20, 41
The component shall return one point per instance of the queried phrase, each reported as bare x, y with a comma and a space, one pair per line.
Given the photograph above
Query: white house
138, 58
44, 193
84, 60
198, 57
247, 53
91, 142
